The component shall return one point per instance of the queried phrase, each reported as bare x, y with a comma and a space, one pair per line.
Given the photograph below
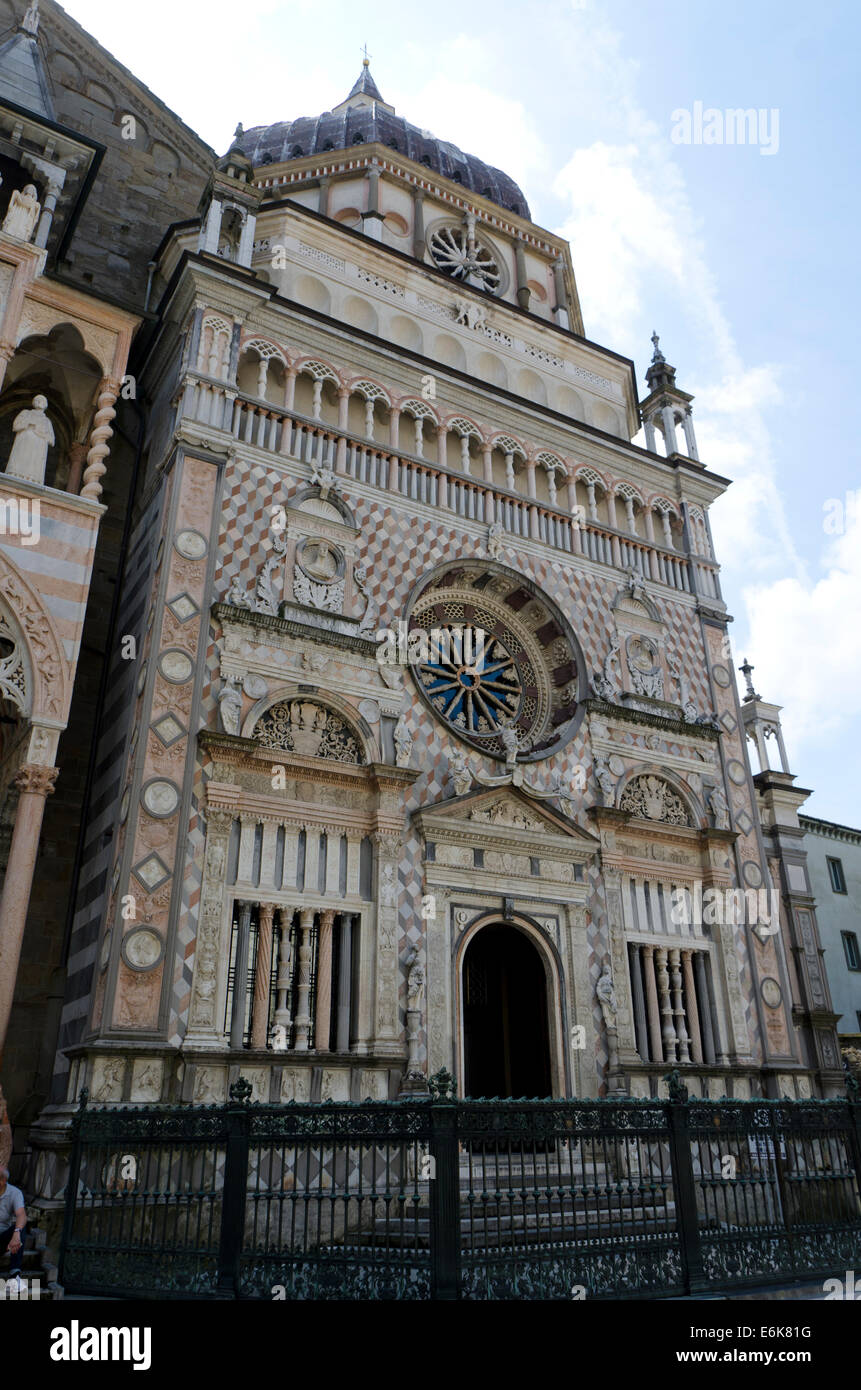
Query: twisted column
666, 1006
101, 433
684, 1054
262, 974
303, 986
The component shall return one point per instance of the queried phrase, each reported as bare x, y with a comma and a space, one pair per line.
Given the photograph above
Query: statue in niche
719, 809
606, 995
510, 741
230, 705
236, 595
34, 434
606, 682
22, 213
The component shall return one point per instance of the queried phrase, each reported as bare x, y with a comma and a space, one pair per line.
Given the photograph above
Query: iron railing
477, 1199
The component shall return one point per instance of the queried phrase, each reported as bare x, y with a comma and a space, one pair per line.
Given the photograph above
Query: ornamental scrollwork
653, 799
309, 729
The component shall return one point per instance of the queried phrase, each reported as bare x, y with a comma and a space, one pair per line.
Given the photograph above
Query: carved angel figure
494, 540
22, 213
461, 772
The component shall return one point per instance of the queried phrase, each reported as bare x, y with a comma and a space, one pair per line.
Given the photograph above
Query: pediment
505, 815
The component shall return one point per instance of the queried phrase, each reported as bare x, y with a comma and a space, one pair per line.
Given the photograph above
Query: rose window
472, 680
488, 652
456, 251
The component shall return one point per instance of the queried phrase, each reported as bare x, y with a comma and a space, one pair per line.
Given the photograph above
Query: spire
365, 85
660, 375
23, 79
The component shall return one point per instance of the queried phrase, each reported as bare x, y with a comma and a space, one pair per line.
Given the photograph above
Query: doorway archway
505, 1017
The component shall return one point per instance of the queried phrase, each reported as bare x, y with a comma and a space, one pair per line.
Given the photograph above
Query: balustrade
466, 495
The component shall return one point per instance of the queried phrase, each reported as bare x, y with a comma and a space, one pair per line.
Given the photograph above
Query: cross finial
657, 356
367, 57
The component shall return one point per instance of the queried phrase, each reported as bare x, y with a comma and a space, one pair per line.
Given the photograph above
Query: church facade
420, 746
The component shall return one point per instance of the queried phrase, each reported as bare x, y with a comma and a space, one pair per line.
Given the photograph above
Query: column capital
327, 917
267, 913
36, 780
306, 918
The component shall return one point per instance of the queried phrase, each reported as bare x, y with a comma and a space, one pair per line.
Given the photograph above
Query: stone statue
606, 995
403, 742
236, 595
719, 809
34, 434
605, 779
461, 772
320, 561
415, 982
22, 213
230, 705
371, 616
605, 683
494, 540
511, 743
323, 477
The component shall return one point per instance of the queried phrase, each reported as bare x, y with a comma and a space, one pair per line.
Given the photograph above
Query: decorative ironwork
439, 1198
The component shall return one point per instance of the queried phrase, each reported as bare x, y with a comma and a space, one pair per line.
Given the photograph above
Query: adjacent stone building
419, 744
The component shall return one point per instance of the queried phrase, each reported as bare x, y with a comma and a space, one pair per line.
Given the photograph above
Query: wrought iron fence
439, 1198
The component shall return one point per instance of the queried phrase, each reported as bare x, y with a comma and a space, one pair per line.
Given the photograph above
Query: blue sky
743, 261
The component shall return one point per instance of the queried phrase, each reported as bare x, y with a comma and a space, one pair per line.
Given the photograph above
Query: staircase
35, 1268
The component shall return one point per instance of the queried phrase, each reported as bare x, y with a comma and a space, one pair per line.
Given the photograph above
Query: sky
741, 255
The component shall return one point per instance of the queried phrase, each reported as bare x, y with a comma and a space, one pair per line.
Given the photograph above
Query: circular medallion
752, 874
142, 948
456, 250
722, 676
736, 772
160, 797
191, 545
370, 710
616, 765
320, 560
176, 666
771, 992
124, 805
255, 687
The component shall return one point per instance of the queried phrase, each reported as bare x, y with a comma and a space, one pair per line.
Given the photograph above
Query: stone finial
746, 670
238, 133
657, 355
30, 22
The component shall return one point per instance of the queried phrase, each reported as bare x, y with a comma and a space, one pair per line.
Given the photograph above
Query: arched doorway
506, 1041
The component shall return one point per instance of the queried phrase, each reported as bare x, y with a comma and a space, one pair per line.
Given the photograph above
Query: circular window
488, 651
461, 255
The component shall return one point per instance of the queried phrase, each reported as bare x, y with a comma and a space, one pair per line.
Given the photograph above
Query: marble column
101, 433
262, 976
523, 291
487, 458
670, 442
639, 1002
345, 975
303, 986
709, 1050
34, 784
655, 1043
691, 1006
240, 977
323, 1020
